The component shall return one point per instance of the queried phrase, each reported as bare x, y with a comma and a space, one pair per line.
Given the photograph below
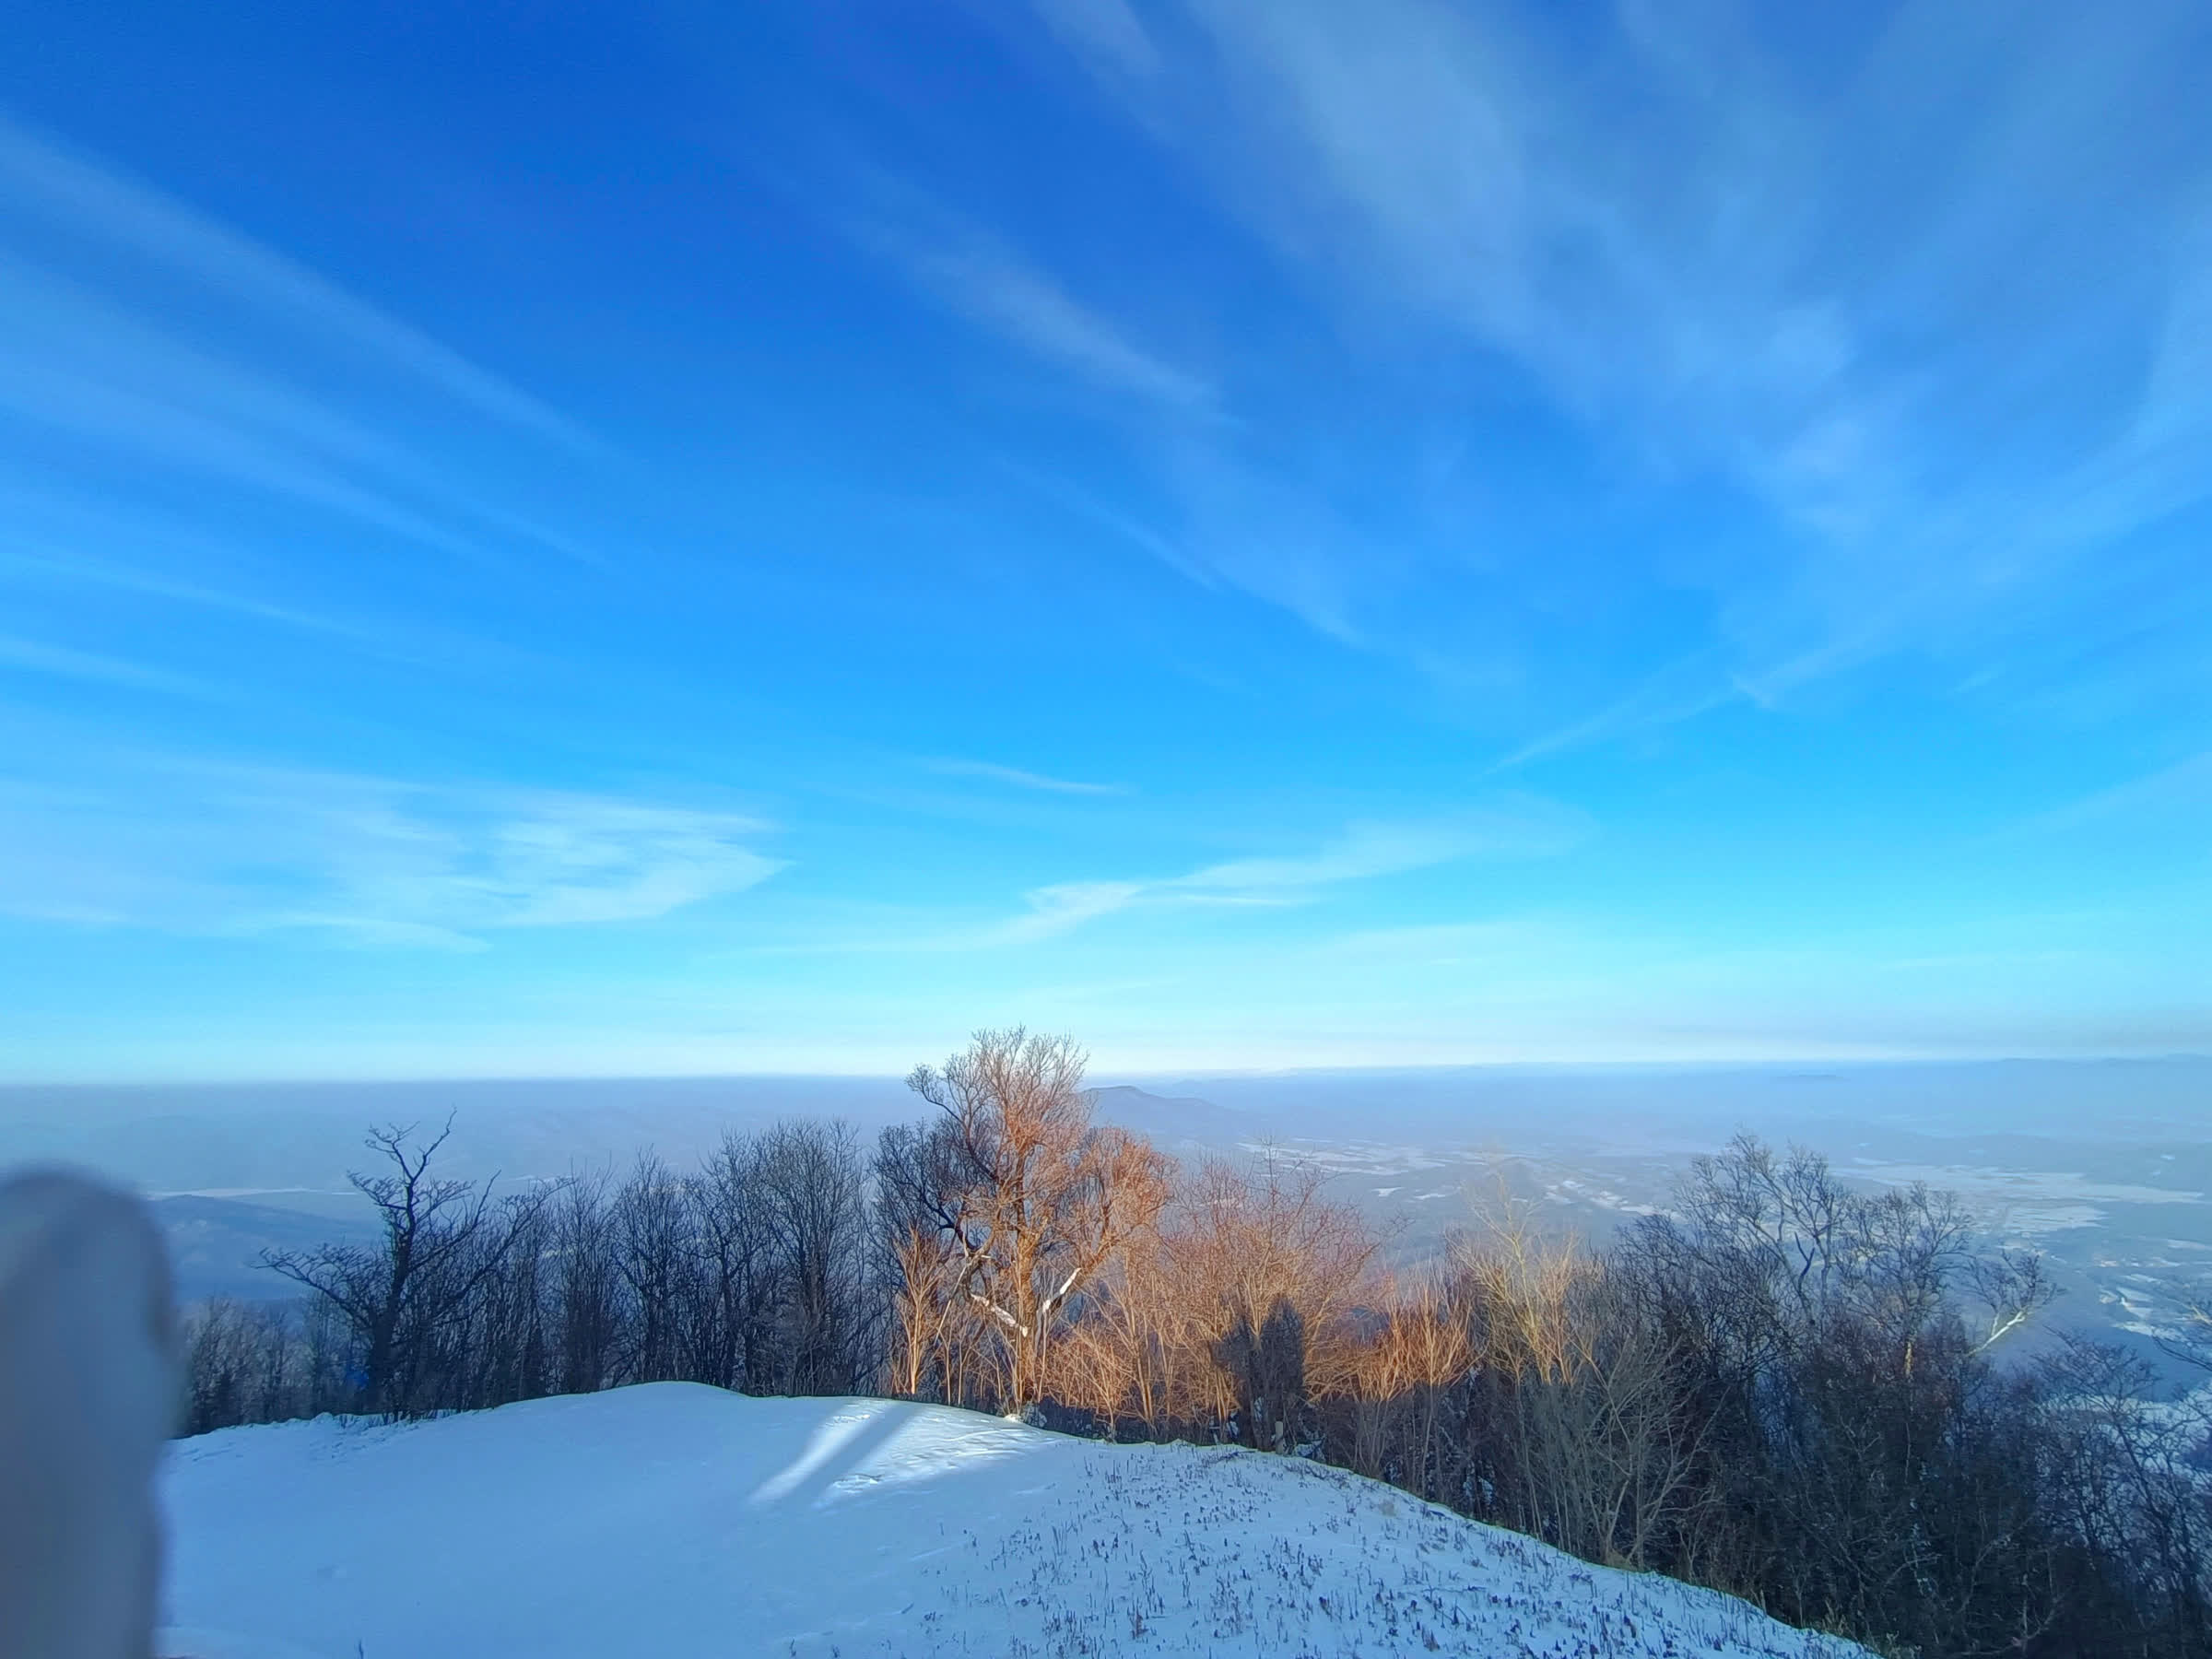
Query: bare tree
1227, 1316
1031, 1200
1265, 1268
243, 1364
921, 1294
507, 1348
1574, 1425
1783, 1387
402, 1297
734, 1331
652, 1222
812, 1194
586, 1287
1860, 1459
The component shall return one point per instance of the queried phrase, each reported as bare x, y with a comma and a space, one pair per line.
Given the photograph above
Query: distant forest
1781, 1388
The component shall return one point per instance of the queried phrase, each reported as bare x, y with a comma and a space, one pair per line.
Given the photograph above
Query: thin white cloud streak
42, 543
459, 865
1522, 828
1012, 298
1682, 691
43, 176
1105, 31
219, 436
199, 849
1281, 543
2175, 796
985, 278
1020, 779
77, 571
109, 377
1087, 505
1056, 909
36, 657
1834, 290
117, 352
1369, 849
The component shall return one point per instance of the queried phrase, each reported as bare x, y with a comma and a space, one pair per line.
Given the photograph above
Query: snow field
671, 1520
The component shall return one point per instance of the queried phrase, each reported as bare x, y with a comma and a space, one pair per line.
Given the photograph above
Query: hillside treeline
1780, 1388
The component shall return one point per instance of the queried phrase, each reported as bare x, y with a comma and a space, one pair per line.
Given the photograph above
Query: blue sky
667, 538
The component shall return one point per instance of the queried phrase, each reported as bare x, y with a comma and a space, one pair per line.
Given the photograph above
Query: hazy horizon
1688, 1106
1136, 1076
2104, 1167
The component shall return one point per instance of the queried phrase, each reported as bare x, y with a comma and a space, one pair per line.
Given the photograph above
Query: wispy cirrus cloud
995, 288
1107, 32
1522, 827
2177, 796
1063, 905
1679, 690
985, 277
136, 334
39, 657
40, 177
1016, 776
1809, 267
196, 848
59, 547
76, 570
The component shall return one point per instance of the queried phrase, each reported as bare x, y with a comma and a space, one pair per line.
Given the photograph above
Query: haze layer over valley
2106, 1167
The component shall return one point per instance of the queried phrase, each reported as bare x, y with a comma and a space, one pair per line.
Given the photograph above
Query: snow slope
671, 1521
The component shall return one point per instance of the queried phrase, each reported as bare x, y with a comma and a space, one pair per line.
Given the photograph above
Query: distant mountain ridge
215, 1244
1170, 1122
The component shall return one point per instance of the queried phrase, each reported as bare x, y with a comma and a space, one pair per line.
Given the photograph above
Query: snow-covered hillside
673, 1520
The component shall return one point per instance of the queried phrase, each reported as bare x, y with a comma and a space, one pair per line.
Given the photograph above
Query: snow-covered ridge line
673, 1520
